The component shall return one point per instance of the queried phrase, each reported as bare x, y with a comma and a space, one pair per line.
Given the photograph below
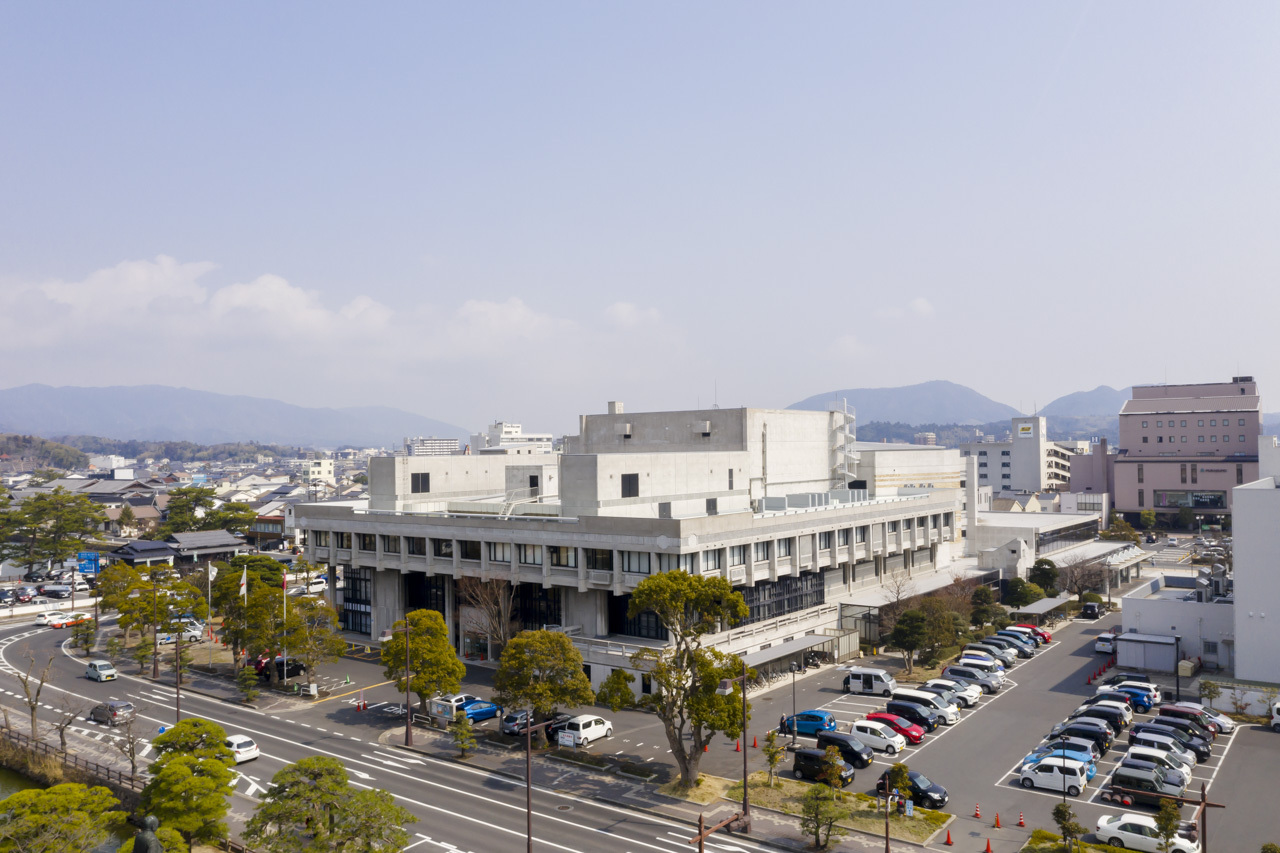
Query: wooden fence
108, 774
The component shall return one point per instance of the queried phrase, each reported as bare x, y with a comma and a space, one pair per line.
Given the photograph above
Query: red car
1044, 635
906, 728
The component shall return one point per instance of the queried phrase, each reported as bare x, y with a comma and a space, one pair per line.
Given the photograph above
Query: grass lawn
1043, 841
786, 794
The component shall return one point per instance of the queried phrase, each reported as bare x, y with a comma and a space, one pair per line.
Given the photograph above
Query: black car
1110, 696
1098, 734
1091, 610
1111, 716
557, 725
1197, 745
851, 749
7, 596
36, 576
922, 791
917, 714
812, 763
296, 668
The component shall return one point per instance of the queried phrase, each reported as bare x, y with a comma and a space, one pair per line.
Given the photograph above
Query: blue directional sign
88, 562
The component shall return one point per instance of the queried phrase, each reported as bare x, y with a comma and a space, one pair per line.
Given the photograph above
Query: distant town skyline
480, 213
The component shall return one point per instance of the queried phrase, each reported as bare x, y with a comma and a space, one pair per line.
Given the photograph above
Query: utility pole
408, 708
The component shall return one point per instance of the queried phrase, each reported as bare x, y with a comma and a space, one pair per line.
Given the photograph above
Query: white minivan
1105, 643
1056, 774
946, 712
861, 679
992, 670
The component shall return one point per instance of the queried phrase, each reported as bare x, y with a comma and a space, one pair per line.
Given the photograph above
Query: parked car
1132, 785
242, 747
7, 596
1074, 744
1019, 649
481, 710
1199, 747
852, 749
1163, 743
296, 668
71, 619
948, 713
1147, 687
1168, 760
1117, 696
1025, 632
558, 724
1118, 677
1123, 708
968, 675
1092, 610
812, 763
1040, 632
1201, 720
909, 730
1046, 751
1140, 700
112, 713
921, 716
59, 591
189, 635
50, 616
863, 679
946, 695
1005, 656
808, 723
921, 790
1030, 642
457, 700
318, 586
587, 728
1105, 643
1104, 716
1192, 736
1225, 724
24, 594
968, 693
1081, 729
1055, 774
101, 670
878, 735
1174, 781
1138, 832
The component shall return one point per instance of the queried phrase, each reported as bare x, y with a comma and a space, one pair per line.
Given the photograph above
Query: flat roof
1044, 605
1033, 520
1135, 637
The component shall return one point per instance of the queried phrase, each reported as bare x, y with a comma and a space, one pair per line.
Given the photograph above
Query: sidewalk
565, 777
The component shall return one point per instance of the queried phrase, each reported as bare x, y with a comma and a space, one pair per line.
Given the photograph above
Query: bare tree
130, 743
495, 604
68, 713
32, 695
898, 589
958, 594
1078, 575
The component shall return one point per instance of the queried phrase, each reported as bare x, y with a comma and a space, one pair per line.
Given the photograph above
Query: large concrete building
1256, 541
1187, 446
1027, 462
777, 502
430, 445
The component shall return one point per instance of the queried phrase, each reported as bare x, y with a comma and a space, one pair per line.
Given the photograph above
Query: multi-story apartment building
319, 471
1187, 446
1027, 462
773, 501
430, 446
508, 438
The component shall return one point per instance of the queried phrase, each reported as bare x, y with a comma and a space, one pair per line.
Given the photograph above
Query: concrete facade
1256, 541
763, 498
1027, 462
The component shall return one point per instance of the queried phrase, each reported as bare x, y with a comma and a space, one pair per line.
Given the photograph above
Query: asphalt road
459, 808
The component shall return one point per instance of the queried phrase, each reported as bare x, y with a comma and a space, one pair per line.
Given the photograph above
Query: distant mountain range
936, 402
1103, 400
159, 412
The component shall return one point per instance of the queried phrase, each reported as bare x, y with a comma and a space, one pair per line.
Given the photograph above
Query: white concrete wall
886, 471
592, 484
1256, 541
1194, 621
452, 478
790, 451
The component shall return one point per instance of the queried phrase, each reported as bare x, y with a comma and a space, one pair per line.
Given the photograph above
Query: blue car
1034, 757
479, 709
809, 723
1140, 699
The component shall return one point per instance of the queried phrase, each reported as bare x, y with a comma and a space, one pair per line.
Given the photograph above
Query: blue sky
520, 211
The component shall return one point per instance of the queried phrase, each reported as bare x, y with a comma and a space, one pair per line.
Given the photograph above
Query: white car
878, 736
243, 747
586, 728
1116, 706
1167, 760
50, 615
1138, 832
1056, 774
1141, 685
457, 700
101, 670
189, 635
968, 693
317, 586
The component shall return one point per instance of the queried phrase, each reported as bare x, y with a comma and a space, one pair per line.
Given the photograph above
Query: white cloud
921, 306
629, 315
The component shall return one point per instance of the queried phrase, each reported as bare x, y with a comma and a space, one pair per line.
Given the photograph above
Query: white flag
244, 583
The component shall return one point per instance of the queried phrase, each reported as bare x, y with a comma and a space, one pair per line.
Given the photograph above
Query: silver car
969, 675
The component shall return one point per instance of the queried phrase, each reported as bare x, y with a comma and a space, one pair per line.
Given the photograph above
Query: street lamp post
408, 708
528, 772
725, 688
1177, 670
155, 629
794, 670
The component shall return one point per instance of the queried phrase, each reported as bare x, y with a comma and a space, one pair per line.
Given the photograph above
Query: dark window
642, 625
646, 683
1183, 467
712, 507
356, 582
468, 549
824, 540
419, 483
424, 593
342, 540
1239, 475
1142, 497
319, 538
598, 559
536, 606
391, 544
415, 546
631, 485
1140, 474
731, 479
367, 541
442, 547
770, 599
1195, 472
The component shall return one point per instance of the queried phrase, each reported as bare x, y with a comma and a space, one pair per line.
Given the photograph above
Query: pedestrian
782, 722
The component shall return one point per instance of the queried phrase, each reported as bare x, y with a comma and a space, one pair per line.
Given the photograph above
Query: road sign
88, 562
911, 808
564, 739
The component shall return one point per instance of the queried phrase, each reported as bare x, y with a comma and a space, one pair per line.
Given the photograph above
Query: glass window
893, 527
1213, 439
762, 552
320, 538
1241, 422
530, 555
1183, 424
711, 561
1184, 472
860, 534
1213, 422
416, 546
1144, 439
563, 556
676, 562
391, 544
419, 483
442, 547
737, 555
630, 485
1200, 422
1184, 439
1242, 439
843, 538
1140, 474
1141, 494
1160, 424
1239, 475
784, 547
1200, 439
635, 562
598, 559
367, 541
469, 549
1226, 439
771, 599
1144, 424
824, 540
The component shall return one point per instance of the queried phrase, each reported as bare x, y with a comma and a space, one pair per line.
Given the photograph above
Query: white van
1056, 774
1158, 756
1105, 644
946, 712
861, 679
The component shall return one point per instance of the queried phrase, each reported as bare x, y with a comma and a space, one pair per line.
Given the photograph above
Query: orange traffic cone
705, 748
1021, 822
988, 850
1089, 680
997, 820
754, 745
977, 810
948, 841
737, 746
